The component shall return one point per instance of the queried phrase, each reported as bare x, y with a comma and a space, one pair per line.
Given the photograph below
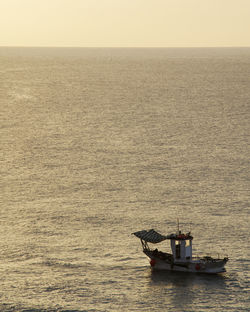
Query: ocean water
99, 143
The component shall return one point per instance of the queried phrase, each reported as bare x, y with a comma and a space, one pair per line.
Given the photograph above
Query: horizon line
126, 47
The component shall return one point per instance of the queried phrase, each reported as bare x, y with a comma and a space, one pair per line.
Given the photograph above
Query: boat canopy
150, 236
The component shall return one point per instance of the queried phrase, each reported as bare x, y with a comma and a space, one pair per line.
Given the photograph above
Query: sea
98, 143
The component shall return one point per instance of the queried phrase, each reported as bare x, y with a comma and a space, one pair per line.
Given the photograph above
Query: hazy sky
125, 23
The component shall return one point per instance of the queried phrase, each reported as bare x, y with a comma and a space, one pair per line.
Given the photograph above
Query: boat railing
209, 255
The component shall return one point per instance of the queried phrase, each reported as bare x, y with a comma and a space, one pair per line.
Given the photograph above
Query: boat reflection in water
184, 291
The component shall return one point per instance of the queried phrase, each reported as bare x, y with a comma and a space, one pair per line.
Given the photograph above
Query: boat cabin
181, 246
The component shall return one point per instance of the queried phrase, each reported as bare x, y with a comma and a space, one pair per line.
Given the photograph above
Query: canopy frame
150, 236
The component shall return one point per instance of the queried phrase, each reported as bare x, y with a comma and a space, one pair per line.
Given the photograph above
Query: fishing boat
181, 258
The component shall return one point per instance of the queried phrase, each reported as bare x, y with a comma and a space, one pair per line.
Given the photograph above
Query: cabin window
187, 243
177, 249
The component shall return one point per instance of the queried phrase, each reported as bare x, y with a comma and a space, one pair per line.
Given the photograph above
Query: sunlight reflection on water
97, 144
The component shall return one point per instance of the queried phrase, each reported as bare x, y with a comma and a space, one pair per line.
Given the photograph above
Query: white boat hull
161, 265
199, 265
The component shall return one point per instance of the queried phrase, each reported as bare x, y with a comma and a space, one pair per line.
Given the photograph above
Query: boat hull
213, 266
